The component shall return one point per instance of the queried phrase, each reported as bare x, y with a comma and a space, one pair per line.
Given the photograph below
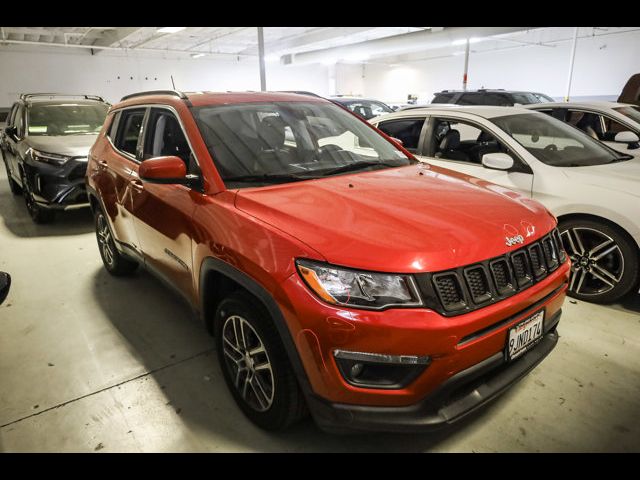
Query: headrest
271, 132
451, 140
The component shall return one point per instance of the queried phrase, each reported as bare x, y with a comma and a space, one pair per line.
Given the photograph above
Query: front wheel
114, 262
38, 214
604, 260
255, 365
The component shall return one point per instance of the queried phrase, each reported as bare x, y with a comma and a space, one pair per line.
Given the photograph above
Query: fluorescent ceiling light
170, 29
356, 57
463, 41
197, 55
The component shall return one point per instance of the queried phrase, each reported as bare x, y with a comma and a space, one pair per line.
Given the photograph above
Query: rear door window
442, 98
129, 128
471, 99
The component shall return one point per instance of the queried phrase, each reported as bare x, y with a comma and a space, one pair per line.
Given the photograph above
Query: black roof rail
26, 96
155, 92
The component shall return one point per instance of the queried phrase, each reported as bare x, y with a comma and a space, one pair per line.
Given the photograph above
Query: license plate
524, 335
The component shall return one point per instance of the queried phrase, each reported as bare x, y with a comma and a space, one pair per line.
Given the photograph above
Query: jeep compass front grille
468, 288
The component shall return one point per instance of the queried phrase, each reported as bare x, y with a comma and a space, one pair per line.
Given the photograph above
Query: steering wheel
551, 148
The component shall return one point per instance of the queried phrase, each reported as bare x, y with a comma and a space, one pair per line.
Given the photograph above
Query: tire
604, 260
13, 185
114, 262
263, 384
38, 214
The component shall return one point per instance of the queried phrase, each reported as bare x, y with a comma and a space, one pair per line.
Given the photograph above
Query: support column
466, 67
573, 56
263, 79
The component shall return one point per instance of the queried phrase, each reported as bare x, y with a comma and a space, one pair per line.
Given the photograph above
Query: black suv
44, 147
499, 97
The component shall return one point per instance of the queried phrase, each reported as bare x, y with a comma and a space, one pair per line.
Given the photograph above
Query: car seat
449, 145
272, 154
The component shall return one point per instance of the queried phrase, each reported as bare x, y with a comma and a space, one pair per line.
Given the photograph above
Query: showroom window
129, 130
407, 130
165, 137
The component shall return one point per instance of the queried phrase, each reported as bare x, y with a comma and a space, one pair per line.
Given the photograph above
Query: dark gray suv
497, 97
44, 147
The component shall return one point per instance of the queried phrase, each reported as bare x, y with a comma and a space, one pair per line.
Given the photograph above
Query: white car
592, 189
616, 124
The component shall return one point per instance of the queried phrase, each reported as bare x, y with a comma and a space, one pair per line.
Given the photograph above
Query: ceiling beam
315, 36
115, 37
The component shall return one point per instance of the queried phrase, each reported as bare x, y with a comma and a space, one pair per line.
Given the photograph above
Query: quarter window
129, 128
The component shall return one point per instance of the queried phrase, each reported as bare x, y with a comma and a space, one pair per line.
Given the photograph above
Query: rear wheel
604, 260
38, 214
115, 263
255, 365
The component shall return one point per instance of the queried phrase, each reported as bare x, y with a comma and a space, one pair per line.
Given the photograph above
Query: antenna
172, 83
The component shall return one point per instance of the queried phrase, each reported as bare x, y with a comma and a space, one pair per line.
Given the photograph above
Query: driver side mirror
5, 285
630, 138
497, 161
169, 170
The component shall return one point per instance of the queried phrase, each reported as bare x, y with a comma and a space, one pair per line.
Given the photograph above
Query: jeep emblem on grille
513, 240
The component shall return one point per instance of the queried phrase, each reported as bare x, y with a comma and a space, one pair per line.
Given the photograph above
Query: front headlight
341, 286
50, 158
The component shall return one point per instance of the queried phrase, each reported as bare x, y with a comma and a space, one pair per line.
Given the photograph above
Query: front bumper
459, 396
59, 188
464, 343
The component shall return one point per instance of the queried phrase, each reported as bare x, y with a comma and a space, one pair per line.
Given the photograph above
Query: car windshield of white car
277, 142
556, 143
632, 112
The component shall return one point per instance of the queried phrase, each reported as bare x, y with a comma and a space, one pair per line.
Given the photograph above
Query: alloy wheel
247, 360
597, 261
105, 240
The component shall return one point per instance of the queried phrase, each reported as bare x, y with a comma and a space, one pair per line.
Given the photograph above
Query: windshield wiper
268, 178
352, 167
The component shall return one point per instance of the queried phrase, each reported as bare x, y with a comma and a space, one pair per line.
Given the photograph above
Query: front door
460, 145
163, 213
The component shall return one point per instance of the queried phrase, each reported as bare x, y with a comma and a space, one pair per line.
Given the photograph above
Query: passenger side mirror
497, 161
167, 170
11, 131
626, 137
5, 285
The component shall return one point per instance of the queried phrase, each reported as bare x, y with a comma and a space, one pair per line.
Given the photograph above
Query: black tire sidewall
629, 251
276, 417
121, 265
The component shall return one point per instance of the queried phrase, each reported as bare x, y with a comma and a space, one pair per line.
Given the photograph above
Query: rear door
476, 140
163, 213
115, 163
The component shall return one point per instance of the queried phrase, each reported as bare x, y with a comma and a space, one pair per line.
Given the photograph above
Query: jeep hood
410, 219
71, 145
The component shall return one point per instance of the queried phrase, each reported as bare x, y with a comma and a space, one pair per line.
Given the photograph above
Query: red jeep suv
339, 275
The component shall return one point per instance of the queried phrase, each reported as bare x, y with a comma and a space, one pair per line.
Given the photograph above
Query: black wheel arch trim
216, 265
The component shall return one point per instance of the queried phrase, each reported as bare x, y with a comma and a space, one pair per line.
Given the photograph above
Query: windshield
66, 119
632, 112
367, 108
527, 98
556, 143
266, 143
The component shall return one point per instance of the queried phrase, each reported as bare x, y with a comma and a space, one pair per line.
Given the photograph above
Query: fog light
373, 370
356, 369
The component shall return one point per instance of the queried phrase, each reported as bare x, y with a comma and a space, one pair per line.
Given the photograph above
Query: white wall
31, 69
602, 67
